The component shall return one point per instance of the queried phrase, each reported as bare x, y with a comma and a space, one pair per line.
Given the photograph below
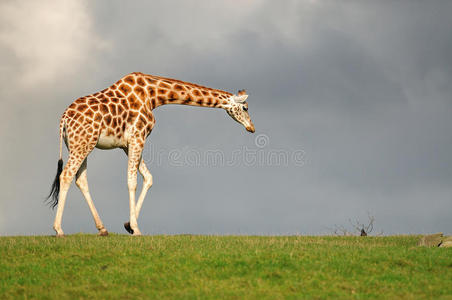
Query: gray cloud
363, 88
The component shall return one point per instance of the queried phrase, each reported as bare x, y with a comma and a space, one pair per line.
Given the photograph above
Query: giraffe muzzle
250, 128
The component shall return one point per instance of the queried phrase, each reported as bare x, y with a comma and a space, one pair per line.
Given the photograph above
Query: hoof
128, 228
103, 232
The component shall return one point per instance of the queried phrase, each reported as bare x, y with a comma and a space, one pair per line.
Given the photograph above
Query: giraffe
121, 116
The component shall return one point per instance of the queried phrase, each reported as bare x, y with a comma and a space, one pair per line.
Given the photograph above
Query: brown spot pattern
140, 125
92, 101
133, 102
104, 109
141, 93
130, 80
89, 113
70, 113
125, 89
140, 81
107, 120
112, 107
172, 95
164, 85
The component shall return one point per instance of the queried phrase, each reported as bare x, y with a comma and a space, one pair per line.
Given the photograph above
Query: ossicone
239, 99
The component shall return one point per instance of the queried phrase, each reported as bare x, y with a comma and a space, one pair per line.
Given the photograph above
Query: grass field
187, 267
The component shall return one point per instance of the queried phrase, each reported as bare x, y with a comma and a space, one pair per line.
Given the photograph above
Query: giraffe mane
187, 83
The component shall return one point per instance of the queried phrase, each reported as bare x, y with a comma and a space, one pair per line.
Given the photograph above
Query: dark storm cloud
362, 88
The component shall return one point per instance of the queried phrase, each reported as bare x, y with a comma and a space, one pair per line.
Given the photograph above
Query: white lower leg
64, 187
147, 183
82, 183
140, 200
132, 184
133, 218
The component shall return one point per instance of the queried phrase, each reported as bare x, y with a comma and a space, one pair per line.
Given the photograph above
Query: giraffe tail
55, 189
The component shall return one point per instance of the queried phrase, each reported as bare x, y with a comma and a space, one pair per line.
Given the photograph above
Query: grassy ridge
119, 266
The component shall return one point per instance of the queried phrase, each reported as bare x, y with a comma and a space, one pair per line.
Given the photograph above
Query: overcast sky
355, 97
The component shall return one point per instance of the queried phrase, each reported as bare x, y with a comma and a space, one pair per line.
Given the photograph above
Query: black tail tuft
55, 190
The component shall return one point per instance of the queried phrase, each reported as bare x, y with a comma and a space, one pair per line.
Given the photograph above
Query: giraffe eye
245, 108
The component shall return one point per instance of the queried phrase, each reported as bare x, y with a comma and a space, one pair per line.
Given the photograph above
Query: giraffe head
238, 110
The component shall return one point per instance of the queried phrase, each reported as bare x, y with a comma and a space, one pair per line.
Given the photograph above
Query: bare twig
361, 229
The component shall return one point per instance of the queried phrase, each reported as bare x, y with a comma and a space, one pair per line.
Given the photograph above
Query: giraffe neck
170, 91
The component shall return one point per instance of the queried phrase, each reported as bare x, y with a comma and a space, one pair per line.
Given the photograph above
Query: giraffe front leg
147, 183
134, 153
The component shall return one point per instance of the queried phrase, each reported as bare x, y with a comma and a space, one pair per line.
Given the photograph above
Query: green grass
187, 267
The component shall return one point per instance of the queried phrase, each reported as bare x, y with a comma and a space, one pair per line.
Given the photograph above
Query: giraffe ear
240, 99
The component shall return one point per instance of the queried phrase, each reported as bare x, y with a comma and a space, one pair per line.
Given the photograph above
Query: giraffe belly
109, 141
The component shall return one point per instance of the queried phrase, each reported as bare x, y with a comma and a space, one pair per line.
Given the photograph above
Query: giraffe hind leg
66, 177
82, 182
